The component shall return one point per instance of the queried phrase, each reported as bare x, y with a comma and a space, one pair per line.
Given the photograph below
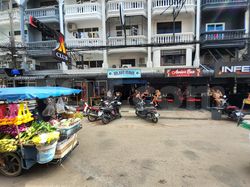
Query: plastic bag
70, 108
60, 106
49, 110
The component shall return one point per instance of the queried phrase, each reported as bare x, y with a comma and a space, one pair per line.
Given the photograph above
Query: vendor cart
242, 122
26, 155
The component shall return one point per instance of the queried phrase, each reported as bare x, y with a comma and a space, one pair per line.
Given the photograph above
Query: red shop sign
183, 72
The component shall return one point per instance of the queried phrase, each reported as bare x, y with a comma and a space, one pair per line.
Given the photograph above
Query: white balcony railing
131, 40
4, 16
42, 45
165, 3
85, 8
170, 38
86, 42
128, 5
46, 12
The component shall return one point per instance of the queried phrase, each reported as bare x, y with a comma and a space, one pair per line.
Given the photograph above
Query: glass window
168, 27
173, 58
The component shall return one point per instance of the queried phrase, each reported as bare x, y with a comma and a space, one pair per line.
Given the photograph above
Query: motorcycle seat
232, 107
95, 108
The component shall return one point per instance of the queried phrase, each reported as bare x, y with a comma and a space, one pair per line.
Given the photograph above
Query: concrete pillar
104, 37
198, 24
157, 58
247, 21
149, 61
61, 20
61, 16
189, 57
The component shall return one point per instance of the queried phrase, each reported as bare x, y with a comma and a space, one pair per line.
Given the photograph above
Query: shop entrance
126, 86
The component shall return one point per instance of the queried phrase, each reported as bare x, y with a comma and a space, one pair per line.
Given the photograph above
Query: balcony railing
131, 8
170, 38
42, 45
223, 2
131, 40
128, 5
86, 42
4, 16
166, 3
223, 35
44, 13
80, 9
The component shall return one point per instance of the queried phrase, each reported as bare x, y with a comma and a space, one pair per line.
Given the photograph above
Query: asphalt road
134, 152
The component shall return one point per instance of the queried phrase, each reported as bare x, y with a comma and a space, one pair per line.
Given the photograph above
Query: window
131, 30
168, 27
173, 58
87, 33
89, 64
18, 33
213, 27
48, 3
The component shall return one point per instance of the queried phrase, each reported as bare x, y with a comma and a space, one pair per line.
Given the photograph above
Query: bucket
46, 154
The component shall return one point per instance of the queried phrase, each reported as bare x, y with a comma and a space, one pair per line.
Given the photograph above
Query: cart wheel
12, 166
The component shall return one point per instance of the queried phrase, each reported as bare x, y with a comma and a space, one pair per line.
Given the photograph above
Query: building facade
164, 37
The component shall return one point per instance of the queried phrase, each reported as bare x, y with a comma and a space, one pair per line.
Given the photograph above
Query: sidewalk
173, 113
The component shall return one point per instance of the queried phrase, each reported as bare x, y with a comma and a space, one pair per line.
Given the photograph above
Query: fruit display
7, 144
46, 138
36, 128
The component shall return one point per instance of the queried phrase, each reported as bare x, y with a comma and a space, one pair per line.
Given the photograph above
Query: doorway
128, 63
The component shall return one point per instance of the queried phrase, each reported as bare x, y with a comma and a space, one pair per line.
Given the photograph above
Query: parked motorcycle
233, 112
145, 112
95, 113
111, 111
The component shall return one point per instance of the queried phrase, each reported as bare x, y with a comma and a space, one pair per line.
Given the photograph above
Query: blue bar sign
123, 73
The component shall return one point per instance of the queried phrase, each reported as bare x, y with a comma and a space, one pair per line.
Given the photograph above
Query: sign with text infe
123, 73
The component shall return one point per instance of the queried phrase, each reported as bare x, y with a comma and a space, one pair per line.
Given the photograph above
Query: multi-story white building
97, 23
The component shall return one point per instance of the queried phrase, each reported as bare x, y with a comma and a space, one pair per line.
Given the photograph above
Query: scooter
111, 111
149, 113
233, 112
95, 113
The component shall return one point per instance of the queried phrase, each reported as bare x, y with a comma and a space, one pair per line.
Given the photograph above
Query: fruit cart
24, 141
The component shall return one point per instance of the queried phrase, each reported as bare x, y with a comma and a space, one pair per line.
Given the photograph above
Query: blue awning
27, 93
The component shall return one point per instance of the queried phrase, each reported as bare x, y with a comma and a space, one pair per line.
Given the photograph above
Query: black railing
223, 35
224, 2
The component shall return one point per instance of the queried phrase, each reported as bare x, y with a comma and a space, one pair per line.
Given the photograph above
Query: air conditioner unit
72, 27
126, 66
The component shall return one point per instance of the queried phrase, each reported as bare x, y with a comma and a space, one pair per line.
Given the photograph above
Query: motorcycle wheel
105, 120
137, 113
154, 118
91, 118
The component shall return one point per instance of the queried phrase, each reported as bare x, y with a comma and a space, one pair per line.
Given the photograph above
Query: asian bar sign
183, 72
123, 73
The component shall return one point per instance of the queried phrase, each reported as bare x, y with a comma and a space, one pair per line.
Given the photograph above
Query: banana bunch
8, 145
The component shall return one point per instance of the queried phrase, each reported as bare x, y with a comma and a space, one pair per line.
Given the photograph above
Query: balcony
170, 38
41, 48
84, 11
222, 39
230, 4
131, 40
5, 19
159, 6
46, 14
131, 8
86, 42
